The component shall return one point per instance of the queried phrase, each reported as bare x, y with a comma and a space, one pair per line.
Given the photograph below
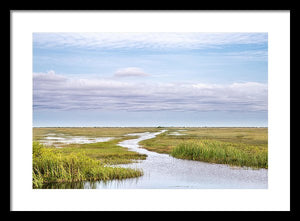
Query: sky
150, 79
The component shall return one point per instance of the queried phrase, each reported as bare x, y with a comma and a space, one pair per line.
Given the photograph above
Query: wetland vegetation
51, 165
82, 161
91, 161
234, 146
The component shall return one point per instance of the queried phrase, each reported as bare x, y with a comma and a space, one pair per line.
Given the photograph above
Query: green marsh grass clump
222, 152
109, 152
49, 165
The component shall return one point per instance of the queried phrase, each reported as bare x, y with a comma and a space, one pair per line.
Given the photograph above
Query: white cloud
155, 40
130, 72
53, 91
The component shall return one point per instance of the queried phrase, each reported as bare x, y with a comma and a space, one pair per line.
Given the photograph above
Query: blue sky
150, 79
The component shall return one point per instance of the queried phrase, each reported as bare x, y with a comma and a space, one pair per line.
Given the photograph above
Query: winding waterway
162, 171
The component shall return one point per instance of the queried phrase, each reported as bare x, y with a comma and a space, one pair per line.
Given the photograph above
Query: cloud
53, 91
130, 72
152, 40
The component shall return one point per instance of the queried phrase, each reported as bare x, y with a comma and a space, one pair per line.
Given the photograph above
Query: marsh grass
234, 146
50, 165
245, 135
41, 132
83, 162
222, 152
106, 152
92, 161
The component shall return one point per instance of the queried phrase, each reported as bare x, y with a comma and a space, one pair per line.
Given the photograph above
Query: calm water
162, 171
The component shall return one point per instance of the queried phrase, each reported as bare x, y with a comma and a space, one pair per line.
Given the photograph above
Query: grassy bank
106, 152
51, 165
222, 152
88, 161
233, 146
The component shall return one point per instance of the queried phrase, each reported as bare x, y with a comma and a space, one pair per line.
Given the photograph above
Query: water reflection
107, 184
65, 185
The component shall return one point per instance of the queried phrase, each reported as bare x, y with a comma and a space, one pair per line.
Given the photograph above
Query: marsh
161, 170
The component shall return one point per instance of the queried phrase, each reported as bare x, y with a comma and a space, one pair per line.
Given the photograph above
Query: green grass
80, 162
50, 165
105, 152
41, 132
233, 146
222, 152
